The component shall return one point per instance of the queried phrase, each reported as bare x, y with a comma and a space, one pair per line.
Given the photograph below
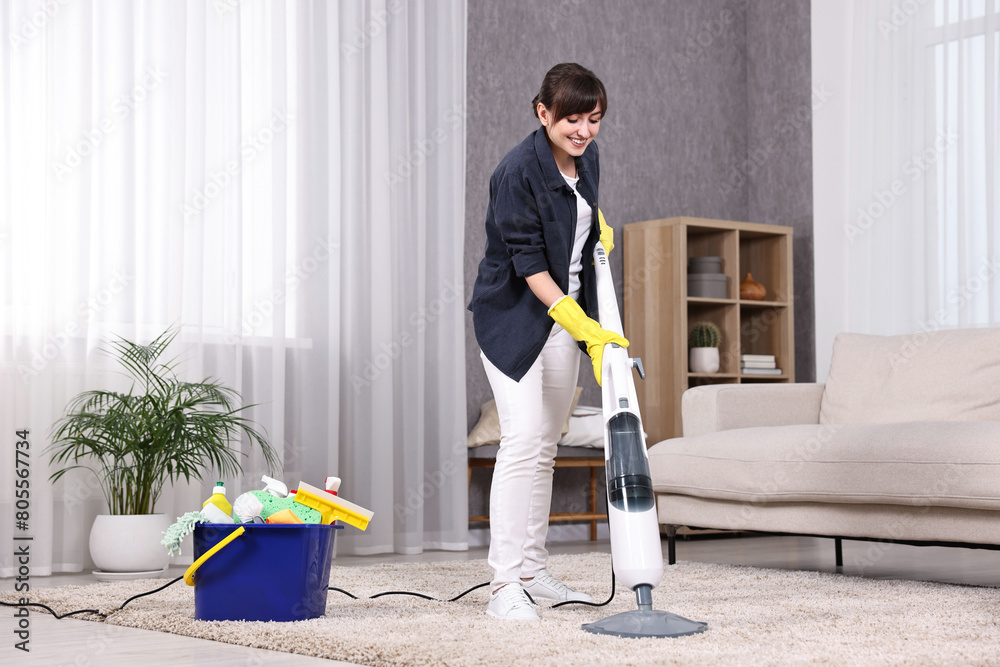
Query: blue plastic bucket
272, 572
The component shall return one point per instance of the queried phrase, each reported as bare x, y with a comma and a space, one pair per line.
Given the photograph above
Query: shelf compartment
726, 316
768, 258
766, 331
715, 242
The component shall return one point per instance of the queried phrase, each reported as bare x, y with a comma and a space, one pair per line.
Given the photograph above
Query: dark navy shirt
530, 228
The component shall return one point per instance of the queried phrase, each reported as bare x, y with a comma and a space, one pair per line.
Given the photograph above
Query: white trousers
532, 413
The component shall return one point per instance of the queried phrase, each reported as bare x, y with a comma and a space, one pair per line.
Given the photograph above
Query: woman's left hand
607, 234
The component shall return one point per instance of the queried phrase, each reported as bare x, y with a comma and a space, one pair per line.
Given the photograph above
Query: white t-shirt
584, 216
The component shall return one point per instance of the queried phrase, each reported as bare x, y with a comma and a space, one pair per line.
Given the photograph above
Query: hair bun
568, 89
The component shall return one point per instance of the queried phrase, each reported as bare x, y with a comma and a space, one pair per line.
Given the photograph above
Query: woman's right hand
570, 316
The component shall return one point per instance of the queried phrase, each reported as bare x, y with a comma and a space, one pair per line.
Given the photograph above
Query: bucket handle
189, 574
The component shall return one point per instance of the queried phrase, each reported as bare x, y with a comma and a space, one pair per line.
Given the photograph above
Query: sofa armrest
720, 407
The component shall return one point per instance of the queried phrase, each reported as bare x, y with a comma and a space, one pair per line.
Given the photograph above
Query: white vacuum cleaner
636, 554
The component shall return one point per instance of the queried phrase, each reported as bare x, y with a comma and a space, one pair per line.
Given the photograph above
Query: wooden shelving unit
658, 311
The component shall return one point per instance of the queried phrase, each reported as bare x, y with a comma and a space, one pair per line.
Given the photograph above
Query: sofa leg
838, 549
671, 532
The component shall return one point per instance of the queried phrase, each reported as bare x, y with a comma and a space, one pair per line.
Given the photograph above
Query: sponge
271, 504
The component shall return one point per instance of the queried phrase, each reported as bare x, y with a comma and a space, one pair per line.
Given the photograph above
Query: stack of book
758, 364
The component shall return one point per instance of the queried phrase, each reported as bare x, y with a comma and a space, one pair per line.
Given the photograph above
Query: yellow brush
333, 508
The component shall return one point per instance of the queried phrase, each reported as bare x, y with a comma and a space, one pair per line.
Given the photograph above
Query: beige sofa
902, 443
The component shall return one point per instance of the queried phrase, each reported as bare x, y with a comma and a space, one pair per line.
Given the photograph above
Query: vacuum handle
608, 314
189, 574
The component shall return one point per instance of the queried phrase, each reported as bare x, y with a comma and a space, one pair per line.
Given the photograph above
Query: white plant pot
129, 543
704, 360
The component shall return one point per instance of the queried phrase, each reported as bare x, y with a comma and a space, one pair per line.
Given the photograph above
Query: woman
529, 304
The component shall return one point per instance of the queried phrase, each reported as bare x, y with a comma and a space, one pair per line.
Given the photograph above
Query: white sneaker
511, 604
547, 587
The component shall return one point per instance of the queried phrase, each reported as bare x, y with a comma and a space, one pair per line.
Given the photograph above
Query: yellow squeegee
333, 508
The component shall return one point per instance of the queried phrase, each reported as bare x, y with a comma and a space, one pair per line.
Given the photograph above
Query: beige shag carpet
755, 616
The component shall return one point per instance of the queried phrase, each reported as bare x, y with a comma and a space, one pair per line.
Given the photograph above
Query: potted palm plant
160, 431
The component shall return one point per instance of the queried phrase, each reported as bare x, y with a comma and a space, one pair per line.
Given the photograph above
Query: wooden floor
74, 642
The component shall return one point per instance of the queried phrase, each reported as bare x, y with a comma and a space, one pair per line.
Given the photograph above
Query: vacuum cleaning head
640, 623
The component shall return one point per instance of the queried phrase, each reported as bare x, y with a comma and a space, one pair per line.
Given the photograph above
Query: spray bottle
275, 487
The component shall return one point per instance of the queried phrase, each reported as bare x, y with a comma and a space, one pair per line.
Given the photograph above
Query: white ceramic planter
129, 543
703, 360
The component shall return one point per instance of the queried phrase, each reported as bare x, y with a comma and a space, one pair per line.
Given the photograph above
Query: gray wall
708, 115
779, 144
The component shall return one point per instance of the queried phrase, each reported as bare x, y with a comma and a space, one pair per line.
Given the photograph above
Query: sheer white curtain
284, 182
922, 244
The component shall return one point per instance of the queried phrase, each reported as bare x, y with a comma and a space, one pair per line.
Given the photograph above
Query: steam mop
636, 554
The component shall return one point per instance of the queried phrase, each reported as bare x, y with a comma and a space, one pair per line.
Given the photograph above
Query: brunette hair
569, 89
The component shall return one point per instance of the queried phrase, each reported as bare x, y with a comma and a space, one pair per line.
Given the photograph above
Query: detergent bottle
219, 499
332, 485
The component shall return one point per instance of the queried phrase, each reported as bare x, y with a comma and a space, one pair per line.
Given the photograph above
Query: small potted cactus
704, 339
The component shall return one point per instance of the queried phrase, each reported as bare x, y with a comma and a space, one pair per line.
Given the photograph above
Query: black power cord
332, 588
90, 611
591, 604
476, 587
418, 595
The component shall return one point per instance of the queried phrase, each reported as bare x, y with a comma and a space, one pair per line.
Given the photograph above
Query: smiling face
570, 136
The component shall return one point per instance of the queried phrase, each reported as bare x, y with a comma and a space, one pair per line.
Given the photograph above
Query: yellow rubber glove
607, 234
570, 316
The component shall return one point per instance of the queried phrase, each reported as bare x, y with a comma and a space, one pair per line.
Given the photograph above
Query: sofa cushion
947, 464
936, 376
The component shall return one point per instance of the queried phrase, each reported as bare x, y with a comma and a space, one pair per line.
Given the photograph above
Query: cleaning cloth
185, 526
